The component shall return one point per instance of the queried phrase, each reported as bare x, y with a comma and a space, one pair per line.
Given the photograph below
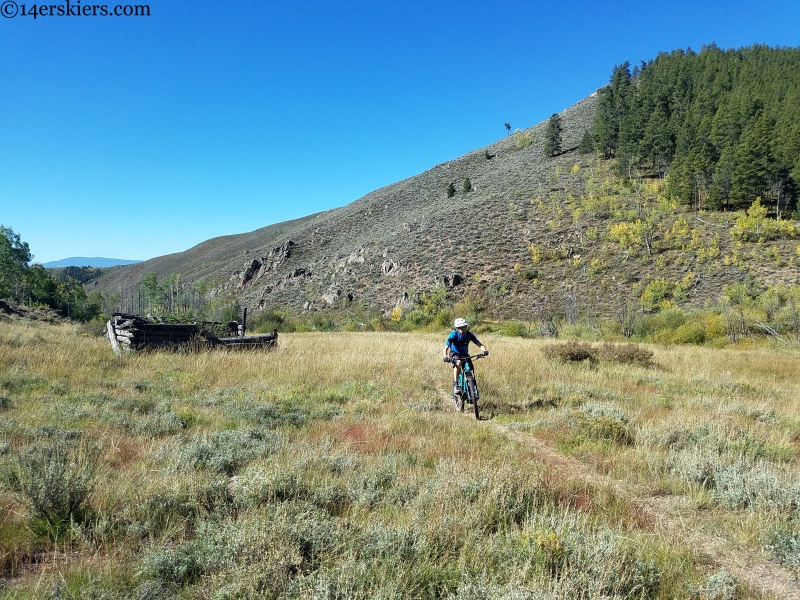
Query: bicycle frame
468, 386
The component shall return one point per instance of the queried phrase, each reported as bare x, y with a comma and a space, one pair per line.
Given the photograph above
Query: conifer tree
753, 165
613, 105
586, 144
552, 136
722, 122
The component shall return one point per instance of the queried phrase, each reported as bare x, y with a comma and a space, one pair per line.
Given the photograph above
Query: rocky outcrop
335, 294
389, 267
249, 271
276, 257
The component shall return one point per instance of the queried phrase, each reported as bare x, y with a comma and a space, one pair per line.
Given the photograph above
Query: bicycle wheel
458, 398
472, 390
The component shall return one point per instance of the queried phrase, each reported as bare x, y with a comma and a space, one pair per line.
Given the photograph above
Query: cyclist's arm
478, 343
448, 346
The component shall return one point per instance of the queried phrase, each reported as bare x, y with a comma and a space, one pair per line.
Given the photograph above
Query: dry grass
348, 443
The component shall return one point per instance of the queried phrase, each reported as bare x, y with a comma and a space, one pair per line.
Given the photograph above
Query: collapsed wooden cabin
134, 332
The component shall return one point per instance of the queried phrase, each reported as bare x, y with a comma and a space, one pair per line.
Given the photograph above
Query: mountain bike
467, 386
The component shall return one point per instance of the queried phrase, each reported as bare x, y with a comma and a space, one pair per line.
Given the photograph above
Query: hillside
536, 236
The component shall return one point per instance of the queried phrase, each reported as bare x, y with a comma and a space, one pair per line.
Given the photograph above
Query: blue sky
137, 137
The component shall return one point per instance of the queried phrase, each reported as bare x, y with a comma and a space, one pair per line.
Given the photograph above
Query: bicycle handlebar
476, 357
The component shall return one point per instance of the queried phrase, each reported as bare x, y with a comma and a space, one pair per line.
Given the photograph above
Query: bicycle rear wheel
472, 391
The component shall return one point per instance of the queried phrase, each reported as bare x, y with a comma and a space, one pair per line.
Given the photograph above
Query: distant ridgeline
724, 125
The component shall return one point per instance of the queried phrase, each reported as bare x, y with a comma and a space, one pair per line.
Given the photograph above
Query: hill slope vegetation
531, 229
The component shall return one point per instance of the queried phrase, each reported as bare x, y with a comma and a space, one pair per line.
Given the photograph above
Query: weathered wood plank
112, 336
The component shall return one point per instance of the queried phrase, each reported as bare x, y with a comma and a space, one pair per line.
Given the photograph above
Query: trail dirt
672, 515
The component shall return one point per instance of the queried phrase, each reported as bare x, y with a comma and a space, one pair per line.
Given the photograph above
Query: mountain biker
457, 347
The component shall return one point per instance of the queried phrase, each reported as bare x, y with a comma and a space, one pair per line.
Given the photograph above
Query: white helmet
460, 323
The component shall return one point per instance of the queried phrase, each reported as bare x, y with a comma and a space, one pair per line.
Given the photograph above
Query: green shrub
370, 486
227, 451
157, 425
756, 484
606, 428
173, 567
571, 351
656, 292
604, 423
56, 476
443, 318
689, 333
267, 321
671, 318
137, 405
718, 586
513, 329
735, 481
22, 382
671, 326
530, 274
523, 140
626, 354
269, 414
784, 544
269, 483
418, 318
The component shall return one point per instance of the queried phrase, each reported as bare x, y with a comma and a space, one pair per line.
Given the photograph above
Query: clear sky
133, 137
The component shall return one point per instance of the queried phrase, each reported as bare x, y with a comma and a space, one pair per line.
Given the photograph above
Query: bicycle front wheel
458, 401
472, 391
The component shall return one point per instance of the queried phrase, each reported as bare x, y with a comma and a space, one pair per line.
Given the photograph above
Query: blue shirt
459, 343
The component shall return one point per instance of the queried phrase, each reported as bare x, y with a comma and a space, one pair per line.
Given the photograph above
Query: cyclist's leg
456, 388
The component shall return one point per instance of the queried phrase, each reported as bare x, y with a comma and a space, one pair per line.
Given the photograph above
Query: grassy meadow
336, 467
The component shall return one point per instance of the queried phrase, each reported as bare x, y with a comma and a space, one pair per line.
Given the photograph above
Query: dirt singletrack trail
669, 514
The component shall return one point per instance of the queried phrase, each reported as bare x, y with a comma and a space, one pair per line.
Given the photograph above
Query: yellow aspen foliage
754, 225
679, 231
656, 293
683, 285
627, 235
